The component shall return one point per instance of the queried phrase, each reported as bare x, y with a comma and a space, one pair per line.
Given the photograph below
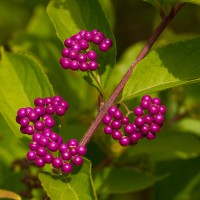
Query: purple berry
39, 125
116, 135
40, 111
41, 151
138, 111
118, 114
146, 97
77, 37
112, 110
49, 122
88, 36
39, 102
104, 47
48, 100
116, 124
24, 122
48, 158
60, 110
63, 147
81, 150
53, 136
73, 151
108, 130
57, 98
150, 136
76, 47
148, 119
98, 38
145, 104
153, 109
94, 32
108, 41
60, 140
93, 65
68, 42
64, 104
92, 55
66, 155
78, 160
67, 168
139, 121
107, 119
158, 119
39, 162
37, 136
57, 162
81, 58
50, 109
28, 109
72, 143
65, 63
22, 112
73, 54
134, 137
84, 66
43, 141
145, 129
83, 44
32, 116
124, 141
156, 101
56, 103
33, 145
124, 120
162, 109
128, 128
29, 130
65, 52
53, 146
82, 32
74, 65
31, 155
154, 128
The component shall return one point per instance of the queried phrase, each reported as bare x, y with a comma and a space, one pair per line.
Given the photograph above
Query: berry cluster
148, 121
45, 143
75, 55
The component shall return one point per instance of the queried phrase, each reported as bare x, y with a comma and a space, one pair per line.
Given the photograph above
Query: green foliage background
164, 169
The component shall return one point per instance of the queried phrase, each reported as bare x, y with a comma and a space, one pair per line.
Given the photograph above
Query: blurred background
165, 169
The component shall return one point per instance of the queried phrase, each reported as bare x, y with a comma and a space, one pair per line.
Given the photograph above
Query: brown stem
89, 133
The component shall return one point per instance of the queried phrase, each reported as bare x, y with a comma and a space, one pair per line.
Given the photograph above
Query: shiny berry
124, 120
158, 119
72, 143
57, 162
50, 109
33, 145
145, 104
63, 147
139, 121
107, 119
154, 128
144, 129
22, 112
93, 65
41, 151
39, 125
162, 109
116, 135
108, 130
148, 119
74, 65
81, 58
60, 110
116, 124
24, 122
66, 155
134, 137
81, 150
65, 62
153, 109
92, 55
77, 160
65, 52
39, 102
83, 44
31, 155
112, 110
146, 97
53, 146
39, 162
84, 66
128, 128
43, 141
150, 136
118, 114
48, 158
138, 111
156, 101
104, 47
67, 168
124, 141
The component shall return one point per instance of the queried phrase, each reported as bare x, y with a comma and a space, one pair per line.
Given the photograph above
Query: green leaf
167, 67
168, 145
122, 180
22, 80
9, 195
76, 186
192, 1
191, 190
69, 17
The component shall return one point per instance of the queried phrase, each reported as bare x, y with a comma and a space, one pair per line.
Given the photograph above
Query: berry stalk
96, 122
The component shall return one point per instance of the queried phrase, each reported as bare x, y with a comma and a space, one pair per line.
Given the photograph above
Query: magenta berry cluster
149, 118
76, 54
47, 146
